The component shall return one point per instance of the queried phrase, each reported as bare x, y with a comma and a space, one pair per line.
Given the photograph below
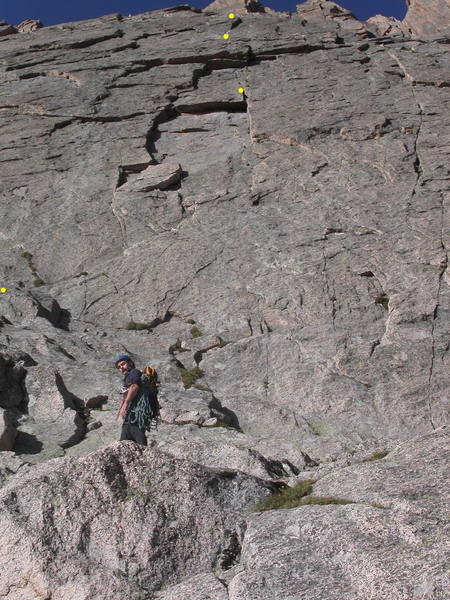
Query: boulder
120, 522
54, 415
428, 19
29, 25
6, 29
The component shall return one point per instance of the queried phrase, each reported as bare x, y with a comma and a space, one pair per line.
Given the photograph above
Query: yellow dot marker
3, 290
226, 36
241, 90
231, 16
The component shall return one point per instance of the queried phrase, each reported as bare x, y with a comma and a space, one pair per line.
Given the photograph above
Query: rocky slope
265, 219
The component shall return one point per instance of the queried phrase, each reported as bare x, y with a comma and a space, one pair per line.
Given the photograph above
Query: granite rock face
428, 19
265, 220
29, 25
389, 543
118, 522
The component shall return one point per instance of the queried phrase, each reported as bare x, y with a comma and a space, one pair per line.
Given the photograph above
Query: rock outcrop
428, 19
29, 25
119, 522
265, 220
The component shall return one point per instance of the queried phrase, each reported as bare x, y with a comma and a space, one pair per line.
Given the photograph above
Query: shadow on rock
26, 443
70, 399
223, 414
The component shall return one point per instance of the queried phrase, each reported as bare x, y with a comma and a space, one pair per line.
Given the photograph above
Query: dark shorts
133, 433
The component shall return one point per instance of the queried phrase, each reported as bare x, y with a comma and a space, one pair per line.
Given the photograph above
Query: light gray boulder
204, 587
53, 413
123, 521
10, 464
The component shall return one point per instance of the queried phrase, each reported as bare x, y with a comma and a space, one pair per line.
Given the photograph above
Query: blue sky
60, 11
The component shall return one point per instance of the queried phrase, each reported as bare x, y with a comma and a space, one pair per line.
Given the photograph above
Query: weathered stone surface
387, 26
29, 25
244, 6
359, 550
212, 451
9, 466
203, 587
216, 245
412, 478
428, 19
54, 413
120, 522
290, 241
6, 29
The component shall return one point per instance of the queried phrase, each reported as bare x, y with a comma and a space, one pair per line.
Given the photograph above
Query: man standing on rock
131, 393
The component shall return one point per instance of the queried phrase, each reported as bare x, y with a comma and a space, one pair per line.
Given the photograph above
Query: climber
131, 393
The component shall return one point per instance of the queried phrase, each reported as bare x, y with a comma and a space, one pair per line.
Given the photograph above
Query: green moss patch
289, 497
38, 281
376, 456
322, 500
190, 376
133, 326
195, 332
383, 300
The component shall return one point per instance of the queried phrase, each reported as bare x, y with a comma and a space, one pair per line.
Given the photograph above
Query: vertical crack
417, 162
330, 295
418, 169
122, 224
266, 379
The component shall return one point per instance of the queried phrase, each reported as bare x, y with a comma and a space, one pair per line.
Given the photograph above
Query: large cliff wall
269, 211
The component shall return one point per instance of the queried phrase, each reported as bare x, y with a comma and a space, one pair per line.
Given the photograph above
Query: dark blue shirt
133, 376
130, 377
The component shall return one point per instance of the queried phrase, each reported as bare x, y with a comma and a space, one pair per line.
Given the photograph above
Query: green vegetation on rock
190, 376
195, 332
383, 300
133, 326
299, 495
289, 497
318, 427
38, 281
376, 456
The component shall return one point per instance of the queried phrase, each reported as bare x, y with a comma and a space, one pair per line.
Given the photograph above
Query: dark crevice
374, 345
249, 321
235, 23
204, 108
183, 7
209, 59
169, 113
160, 320
90, 42
140, 66
304, 49
230, 554
125, 170
191, 130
